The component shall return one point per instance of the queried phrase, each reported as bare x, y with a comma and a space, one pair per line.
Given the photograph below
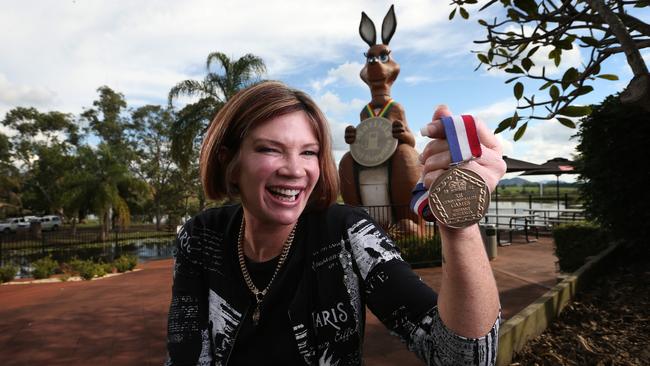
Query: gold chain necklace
259, 295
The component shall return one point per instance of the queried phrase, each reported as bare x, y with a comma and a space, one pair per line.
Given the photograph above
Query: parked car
14, 224
50, 222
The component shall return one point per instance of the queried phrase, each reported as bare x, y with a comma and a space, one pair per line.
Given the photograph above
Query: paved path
122, 320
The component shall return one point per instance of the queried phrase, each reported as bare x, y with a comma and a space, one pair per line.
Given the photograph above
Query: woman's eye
311, 153
265, 149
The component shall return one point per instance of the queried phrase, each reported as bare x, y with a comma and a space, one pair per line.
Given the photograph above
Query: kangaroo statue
390, 183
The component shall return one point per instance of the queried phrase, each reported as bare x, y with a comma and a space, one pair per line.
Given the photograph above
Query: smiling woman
284, 278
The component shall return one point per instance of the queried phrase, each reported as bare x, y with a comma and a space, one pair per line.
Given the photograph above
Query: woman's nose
292, 166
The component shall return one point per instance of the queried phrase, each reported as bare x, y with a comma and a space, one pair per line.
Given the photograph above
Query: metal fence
26, 246
417, 239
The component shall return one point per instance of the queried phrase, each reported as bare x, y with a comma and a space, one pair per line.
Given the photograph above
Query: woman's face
278, 168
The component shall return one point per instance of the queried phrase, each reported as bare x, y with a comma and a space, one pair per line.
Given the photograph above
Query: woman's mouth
284, 194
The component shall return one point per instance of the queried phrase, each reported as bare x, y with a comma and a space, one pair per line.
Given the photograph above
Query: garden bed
607, 324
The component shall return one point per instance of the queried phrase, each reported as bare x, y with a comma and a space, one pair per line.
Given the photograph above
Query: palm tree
213, 92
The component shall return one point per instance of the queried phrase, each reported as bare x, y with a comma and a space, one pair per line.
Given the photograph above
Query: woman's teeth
282, 194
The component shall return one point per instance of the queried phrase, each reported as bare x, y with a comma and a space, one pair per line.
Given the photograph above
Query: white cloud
331, 104
15, 94
346, 74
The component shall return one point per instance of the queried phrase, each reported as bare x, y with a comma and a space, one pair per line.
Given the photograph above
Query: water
143, 249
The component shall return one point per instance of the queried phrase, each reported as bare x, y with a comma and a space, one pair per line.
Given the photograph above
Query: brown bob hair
249, 107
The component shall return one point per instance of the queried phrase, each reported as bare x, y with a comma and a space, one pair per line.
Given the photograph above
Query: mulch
608, 324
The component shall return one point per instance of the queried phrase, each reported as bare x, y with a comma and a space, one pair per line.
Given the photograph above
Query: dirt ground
608, 324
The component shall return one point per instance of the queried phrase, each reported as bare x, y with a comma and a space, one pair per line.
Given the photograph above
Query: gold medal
459, 198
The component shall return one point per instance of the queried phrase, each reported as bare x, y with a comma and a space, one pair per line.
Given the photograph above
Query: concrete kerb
535, 318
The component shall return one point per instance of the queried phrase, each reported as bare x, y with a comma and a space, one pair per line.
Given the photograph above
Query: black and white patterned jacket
350, 264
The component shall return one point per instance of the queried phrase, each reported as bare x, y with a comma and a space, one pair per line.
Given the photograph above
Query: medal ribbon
463, 145
383, 111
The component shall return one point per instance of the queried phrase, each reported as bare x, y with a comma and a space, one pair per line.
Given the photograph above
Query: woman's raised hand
436, 156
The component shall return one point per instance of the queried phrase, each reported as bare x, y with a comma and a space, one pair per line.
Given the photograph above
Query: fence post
1, 240
530, 201
43, 243
566, 200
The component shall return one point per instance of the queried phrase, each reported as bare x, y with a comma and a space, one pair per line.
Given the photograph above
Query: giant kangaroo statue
391, 181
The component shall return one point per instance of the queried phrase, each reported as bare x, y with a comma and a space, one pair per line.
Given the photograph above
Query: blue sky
57, 53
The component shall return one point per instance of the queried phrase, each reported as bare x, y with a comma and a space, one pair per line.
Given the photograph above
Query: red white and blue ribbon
463, 145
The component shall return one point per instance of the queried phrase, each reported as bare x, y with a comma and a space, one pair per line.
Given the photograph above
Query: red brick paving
122, 320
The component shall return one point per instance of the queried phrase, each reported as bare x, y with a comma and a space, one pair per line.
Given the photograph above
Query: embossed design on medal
259, 295
459, 198
374, 143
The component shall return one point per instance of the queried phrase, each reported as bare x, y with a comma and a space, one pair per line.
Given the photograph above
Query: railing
26, 246
417, 239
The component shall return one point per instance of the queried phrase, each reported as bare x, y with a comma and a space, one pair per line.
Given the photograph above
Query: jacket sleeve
406, 305
188, 339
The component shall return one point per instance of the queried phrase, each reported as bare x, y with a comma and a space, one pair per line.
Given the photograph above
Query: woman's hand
436, 156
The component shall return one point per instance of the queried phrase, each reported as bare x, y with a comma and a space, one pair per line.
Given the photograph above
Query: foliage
213, 92
125, 263
575, 242
88, 269
614, 170
531, 33
8, 273
416, 250
44, 267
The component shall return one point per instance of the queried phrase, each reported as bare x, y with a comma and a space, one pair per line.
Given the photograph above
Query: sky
56, 53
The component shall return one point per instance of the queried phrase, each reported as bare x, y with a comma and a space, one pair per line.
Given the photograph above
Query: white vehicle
12, 225
50, 222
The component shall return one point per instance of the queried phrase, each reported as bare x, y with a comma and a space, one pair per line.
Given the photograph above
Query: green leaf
515, 70
546, 85
520, 132
518, 90
452, 14
554, 93
589, 41
482, 22
503, 125
567, 122
575, 111
608, 76
511, 80
512, 14
483, 58
532, 51
529, 6
464, 13
569, 76
527, 63
585, 89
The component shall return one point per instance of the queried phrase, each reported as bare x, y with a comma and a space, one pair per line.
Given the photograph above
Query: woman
284, 278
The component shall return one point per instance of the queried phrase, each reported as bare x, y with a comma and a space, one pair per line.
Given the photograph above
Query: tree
547, 29
110, 184
614, 177
213, 92
40, 148
153, 164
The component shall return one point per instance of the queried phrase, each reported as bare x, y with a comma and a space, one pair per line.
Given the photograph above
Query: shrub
613, 173
575, 242
418, 250
125, 263
8, 273
44, 267
87, 269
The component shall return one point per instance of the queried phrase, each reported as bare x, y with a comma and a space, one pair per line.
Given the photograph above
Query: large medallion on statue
374, 143
459, 198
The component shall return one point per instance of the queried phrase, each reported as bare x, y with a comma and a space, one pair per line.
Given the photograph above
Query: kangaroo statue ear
388, 26
367, 30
